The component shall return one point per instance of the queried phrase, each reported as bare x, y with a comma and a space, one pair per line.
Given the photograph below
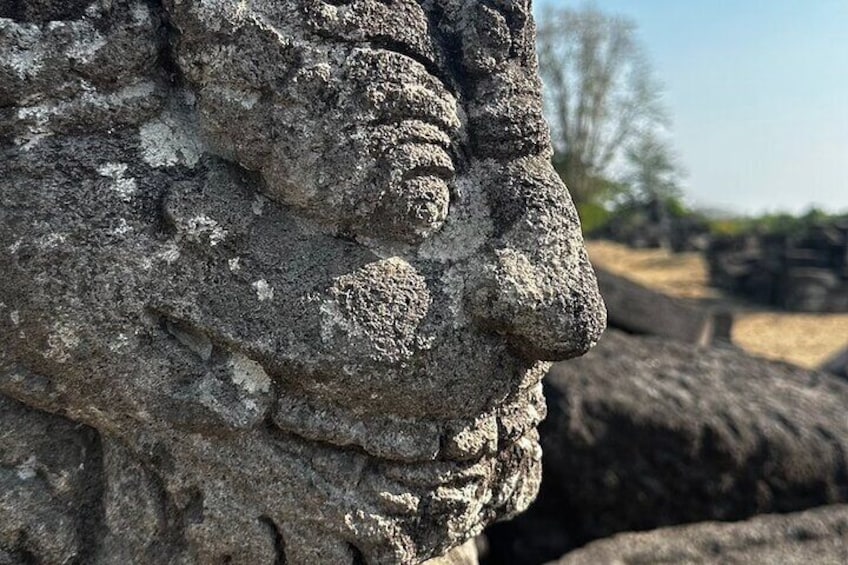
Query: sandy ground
803, 339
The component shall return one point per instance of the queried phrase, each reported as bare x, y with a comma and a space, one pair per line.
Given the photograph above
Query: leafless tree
600, 94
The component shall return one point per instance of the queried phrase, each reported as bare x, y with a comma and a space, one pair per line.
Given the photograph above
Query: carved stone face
306, 264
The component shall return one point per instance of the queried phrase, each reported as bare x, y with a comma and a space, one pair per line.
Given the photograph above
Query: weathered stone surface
817, 536
838, 364
298, 264
640, 310
643, 433
49, 475
463, 555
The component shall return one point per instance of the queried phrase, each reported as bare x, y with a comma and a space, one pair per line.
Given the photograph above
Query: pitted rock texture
50, 471
463, 555
817, 536
298, 265
643, 433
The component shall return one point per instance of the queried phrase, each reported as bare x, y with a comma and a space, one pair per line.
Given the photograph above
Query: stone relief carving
293, 270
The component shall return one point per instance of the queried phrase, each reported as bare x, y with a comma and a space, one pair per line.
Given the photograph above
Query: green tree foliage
653, 174
780, 223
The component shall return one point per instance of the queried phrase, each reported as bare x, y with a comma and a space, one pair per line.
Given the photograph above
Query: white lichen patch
86, 46
169, 253
15, 317
123, 228
27, 470
125, 187
37, 121
25, 53
170, 140
258, 204
249, 375
61, 342
264, 291
234, 264
141, 14
38, 117
120, 343
51, 241
15, 246
202, 227
25, 63
125, 95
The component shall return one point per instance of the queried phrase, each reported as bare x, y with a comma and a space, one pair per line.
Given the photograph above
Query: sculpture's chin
486, 471
439, 504
390, 511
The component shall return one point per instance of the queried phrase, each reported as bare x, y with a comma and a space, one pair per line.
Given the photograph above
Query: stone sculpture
285, 276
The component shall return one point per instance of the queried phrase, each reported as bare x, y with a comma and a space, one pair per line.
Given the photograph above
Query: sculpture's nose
537, 288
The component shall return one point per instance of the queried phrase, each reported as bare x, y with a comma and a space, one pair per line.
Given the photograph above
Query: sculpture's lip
402, 440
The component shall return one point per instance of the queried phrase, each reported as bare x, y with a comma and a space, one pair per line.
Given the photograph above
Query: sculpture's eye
354, 119
400, 99
410, 121
399, 25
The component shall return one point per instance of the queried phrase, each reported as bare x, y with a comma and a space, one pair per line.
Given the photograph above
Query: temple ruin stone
817, 536
279, 279
644, 433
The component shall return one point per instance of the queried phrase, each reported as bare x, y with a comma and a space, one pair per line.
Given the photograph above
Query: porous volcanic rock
643, 433
817, 536
281, 258
465, 554
49, 471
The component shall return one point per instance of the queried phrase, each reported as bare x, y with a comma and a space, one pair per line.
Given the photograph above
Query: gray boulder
838, 364
817, 536
281, 258
642, 433
637, 309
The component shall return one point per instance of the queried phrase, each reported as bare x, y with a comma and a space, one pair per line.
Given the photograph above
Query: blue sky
758, 93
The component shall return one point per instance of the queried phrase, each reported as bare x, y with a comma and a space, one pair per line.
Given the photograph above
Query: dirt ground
807, 340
